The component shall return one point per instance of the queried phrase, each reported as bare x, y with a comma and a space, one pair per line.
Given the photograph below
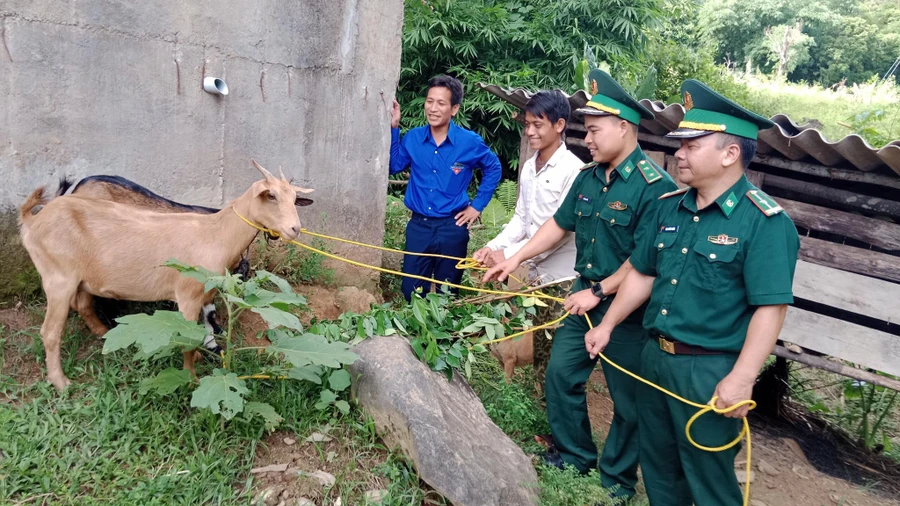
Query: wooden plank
853, 343
873, 231
672, 169
844, 290
836, 367
756, 178
843, 198
848, 258
658, 157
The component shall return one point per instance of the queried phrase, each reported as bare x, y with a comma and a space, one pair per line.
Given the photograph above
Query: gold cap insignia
723, 239
688, 101
594, 89
617, 206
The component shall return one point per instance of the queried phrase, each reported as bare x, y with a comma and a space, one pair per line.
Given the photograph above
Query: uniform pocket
717, 267
456, 179
663, 245
615, 218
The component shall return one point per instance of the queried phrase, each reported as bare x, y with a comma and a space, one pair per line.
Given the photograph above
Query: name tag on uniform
583, 198
457, 168
671, 228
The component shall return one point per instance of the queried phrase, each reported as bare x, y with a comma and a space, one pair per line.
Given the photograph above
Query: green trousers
675, 472
568, 371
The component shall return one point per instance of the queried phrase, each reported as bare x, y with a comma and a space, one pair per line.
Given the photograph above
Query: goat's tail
64, 184
35, 199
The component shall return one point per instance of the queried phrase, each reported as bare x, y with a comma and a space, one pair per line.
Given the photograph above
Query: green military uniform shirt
713, 266
610, 217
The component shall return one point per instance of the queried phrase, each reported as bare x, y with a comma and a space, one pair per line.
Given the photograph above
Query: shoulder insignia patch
679, 191
764, 202
650, 173
588, 166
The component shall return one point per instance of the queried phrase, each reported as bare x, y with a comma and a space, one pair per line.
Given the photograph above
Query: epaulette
765, 203
588, 166
675, 192
650, 172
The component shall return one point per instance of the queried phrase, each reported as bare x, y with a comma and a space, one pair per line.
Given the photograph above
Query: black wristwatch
597, 290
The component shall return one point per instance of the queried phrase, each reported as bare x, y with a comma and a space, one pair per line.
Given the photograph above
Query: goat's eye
271, 197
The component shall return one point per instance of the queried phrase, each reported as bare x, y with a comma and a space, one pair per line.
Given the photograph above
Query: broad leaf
326, 398
266, 411
306, 373
312, 349
221, 393
284, 300
278, 318
339, 380
153, 333
166, 382
343, 406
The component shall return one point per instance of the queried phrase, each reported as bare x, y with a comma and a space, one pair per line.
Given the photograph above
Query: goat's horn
268, 175
282, 173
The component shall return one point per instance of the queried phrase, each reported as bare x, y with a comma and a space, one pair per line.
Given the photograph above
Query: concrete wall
111, 87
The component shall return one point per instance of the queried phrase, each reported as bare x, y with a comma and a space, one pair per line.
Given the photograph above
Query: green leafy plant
507, 193
874, 404
292, 355
864, 125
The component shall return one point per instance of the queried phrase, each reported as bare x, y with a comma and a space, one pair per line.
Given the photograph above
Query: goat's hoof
60, 382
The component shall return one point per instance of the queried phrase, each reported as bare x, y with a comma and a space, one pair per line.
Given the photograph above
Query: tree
534, 44
788, 47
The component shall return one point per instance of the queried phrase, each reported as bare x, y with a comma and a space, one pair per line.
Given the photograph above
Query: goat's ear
302, 202
302, 190
268, 175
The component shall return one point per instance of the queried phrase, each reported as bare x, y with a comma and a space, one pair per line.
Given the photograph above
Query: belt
675, 348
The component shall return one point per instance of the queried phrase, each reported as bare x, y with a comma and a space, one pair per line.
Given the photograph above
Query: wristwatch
597, 290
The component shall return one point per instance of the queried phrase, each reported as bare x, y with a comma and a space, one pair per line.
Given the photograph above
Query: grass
832, 110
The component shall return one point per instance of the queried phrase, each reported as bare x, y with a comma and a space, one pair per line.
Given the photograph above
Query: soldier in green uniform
609, 208
718, 272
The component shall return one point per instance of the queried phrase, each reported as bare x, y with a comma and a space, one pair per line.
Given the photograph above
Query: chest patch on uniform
617, 206
669, 228
583, 198
457, 168
722, 239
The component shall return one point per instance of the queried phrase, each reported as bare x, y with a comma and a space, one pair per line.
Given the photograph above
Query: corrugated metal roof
789, 140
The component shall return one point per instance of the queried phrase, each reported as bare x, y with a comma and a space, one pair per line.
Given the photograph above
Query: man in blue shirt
442, 158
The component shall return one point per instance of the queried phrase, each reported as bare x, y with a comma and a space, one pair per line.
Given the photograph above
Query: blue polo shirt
440, 175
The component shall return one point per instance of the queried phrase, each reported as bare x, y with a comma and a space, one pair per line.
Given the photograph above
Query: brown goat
84, 247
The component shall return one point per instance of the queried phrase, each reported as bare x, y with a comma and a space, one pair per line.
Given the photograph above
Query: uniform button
660, 245
664, 312
612, 221
674, 281
435, 151
696, 219
429, 209
589, 266
579, 213
596, 214
605, 189
434, 171
684, 250
592, 240
712, 255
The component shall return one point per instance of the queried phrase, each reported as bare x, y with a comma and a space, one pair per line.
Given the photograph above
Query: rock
337, 502
282, 503
793, 348
304, 502
375, 496
742, 476
798, 472
757, 502
327, 480
274, 468
269, 496
766, 468
289, 441
441, 426
794, 446
351, 298
318, 437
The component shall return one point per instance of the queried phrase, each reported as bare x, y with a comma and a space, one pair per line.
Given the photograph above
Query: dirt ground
800, 467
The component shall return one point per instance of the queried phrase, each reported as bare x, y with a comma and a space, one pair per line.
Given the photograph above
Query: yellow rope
471, 263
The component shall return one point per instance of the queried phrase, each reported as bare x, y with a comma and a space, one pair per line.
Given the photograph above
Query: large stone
441, 426
351, 298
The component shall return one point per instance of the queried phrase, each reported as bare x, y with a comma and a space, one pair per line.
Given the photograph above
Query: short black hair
552, 105
747, 146
452, 84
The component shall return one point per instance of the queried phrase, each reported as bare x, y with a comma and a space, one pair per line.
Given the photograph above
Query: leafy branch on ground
292, 355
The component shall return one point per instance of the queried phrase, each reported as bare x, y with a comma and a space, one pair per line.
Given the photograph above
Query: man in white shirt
544, 181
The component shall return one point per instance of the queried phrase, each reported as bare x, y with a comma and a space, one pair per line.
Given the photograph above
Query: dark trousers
675, 472
433, 235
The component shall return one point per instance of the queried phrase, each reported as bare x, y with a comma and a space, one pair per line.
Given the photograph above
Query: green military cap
608, 98
708, 112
